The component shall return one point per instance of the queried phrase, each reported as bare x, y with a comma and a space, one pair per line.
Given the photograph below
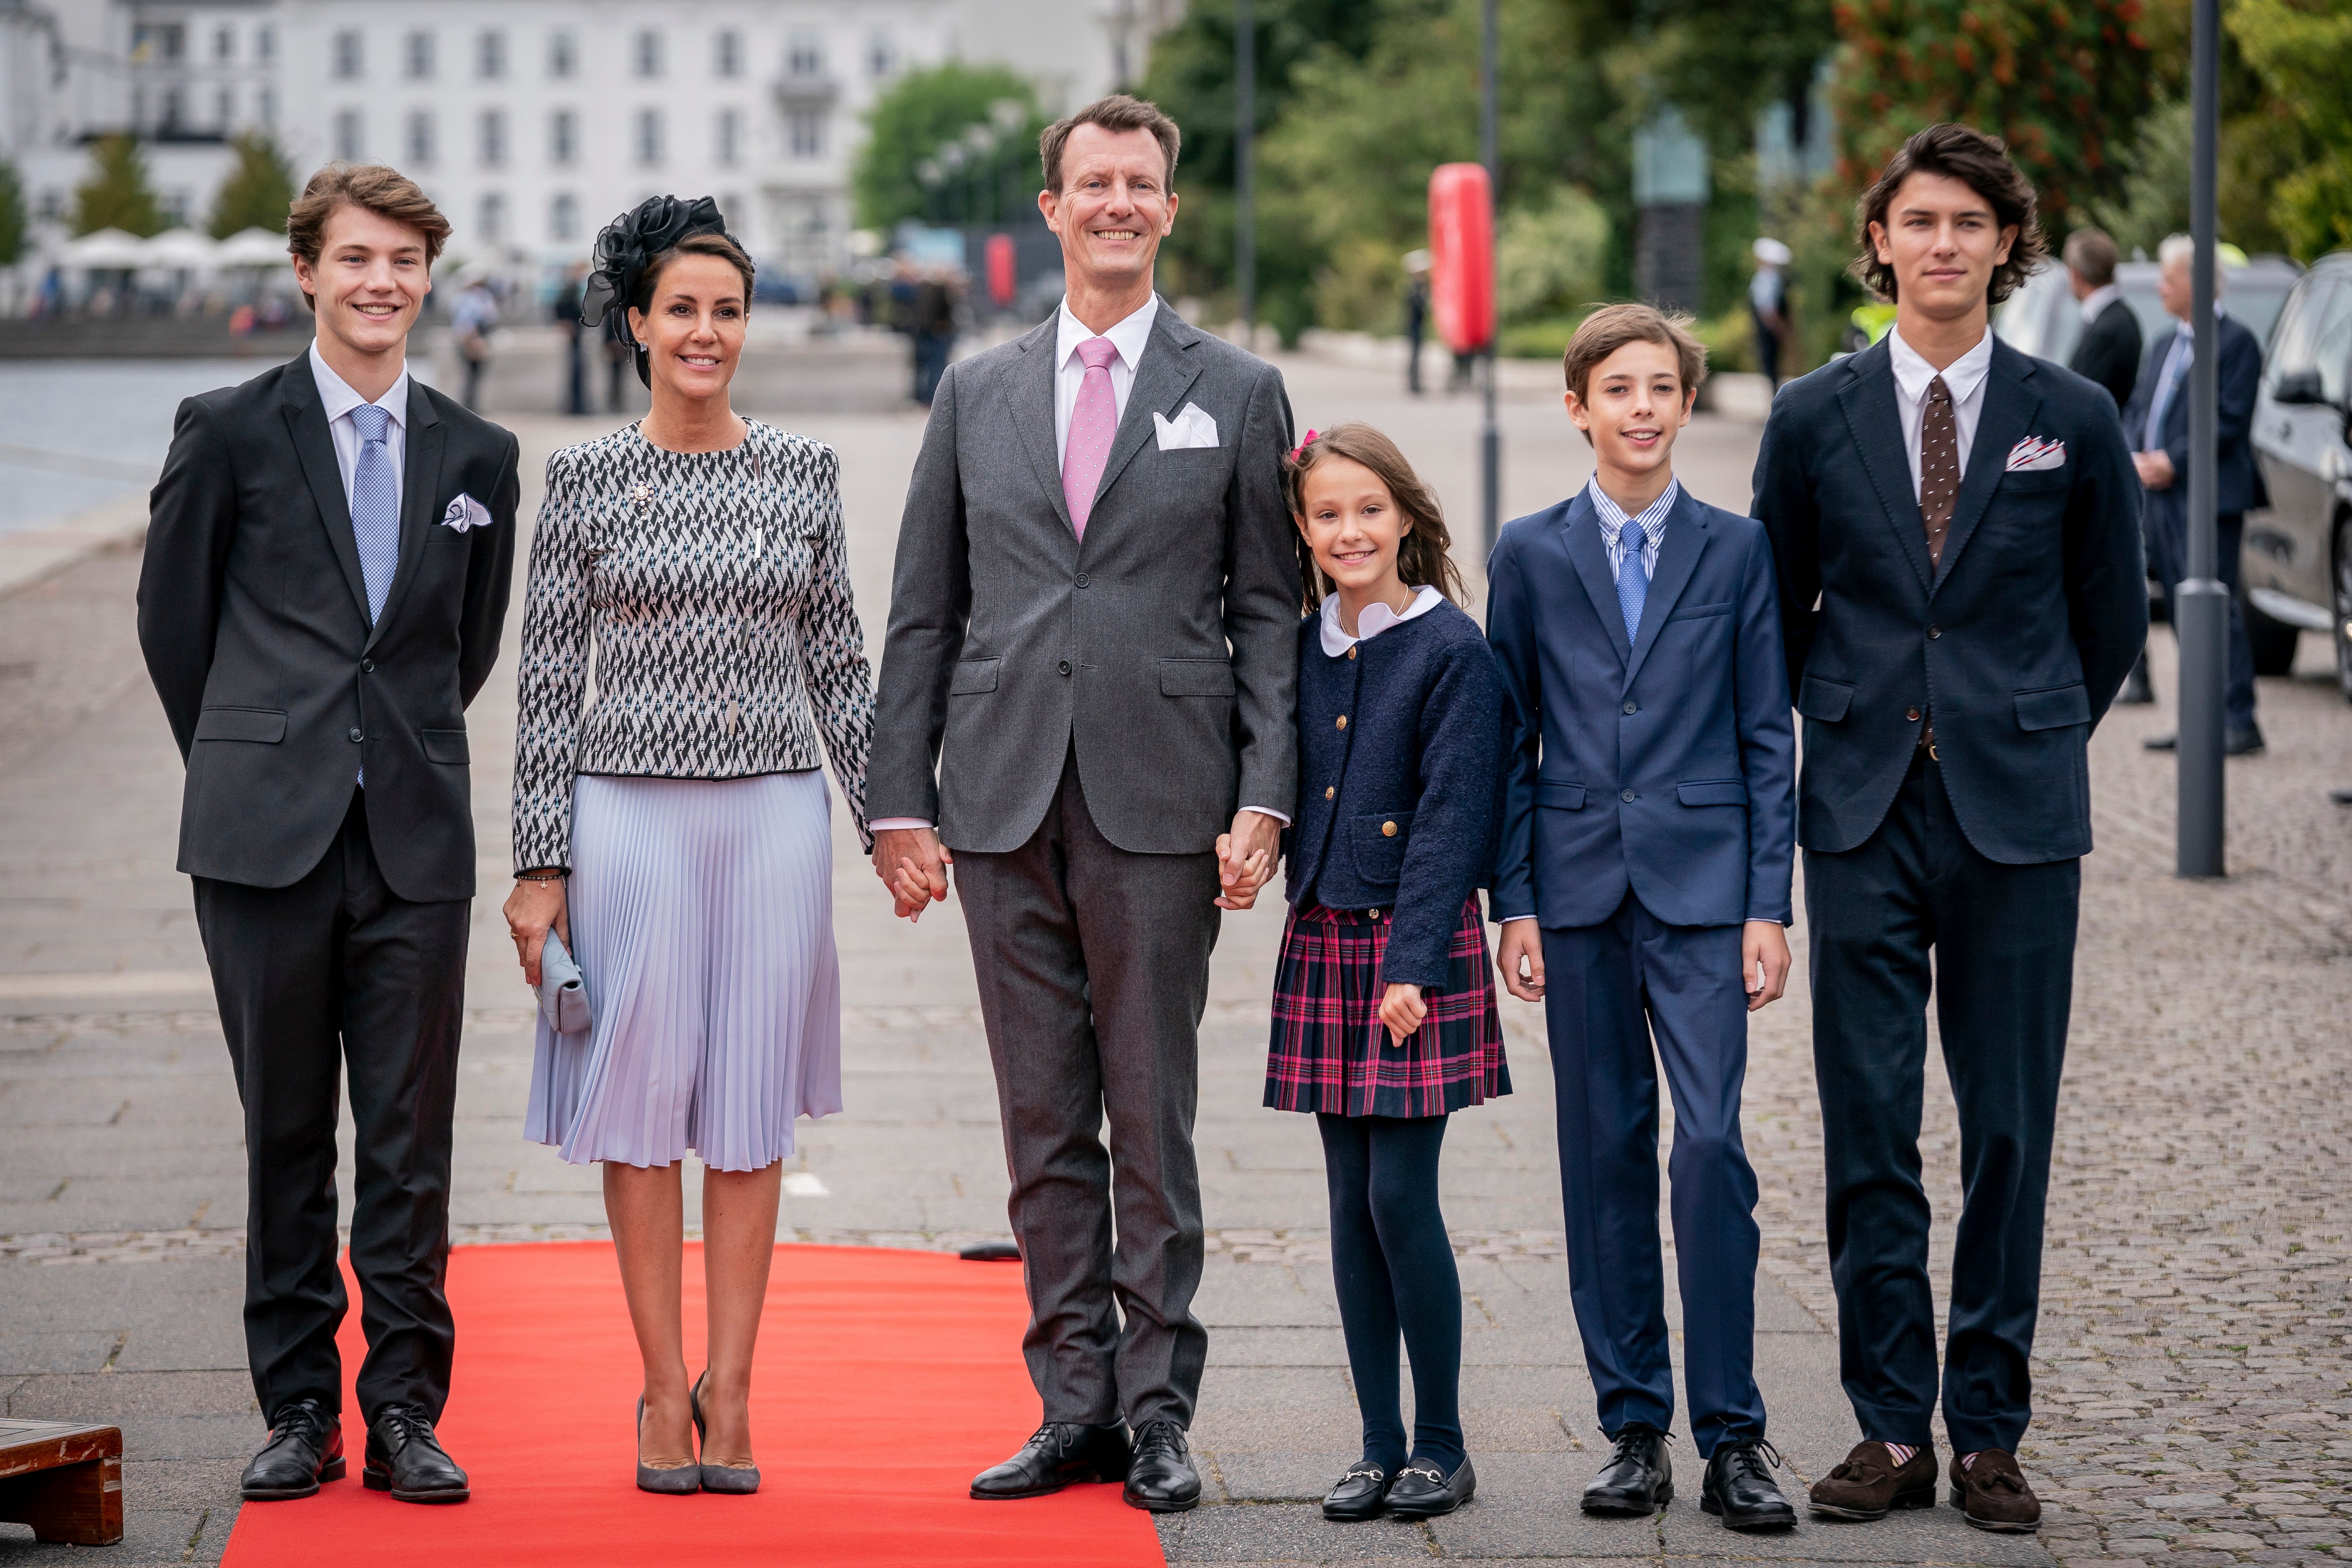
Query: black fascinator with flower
626, 251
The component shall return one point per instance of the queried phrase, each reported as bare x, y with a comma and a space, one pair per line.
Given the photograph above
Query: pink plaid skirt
1330, 1051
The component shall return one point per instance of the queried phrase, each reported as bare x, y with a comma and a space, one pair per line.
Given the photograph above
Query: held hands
1762, 944
913, 864
1402, 1009
1245, 858
532, 910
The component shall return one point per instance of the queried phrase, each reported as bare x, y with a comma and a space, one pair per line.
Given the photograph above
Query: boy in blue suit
1642, 883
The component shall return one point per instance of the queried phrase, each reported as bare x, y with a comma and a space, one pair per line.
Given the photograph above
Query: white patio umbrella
107, 250
251, 247
182, 249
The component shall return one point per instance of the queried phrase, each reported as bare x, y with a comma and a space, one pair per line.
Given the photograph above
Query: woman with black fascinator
674, 834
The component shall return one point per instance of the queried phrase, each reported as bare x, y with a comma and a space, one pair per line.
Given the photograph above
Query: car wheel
2273, 642
2341, 634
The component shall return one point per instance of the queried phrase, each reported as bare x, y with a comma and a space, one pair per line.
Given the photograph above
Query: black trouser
2003, 940
2168, 557
338, 968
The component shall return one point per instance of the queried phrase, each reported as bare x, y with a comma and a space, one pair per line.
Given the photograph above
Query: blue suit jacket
2237, 481
2015, 644
1665, 763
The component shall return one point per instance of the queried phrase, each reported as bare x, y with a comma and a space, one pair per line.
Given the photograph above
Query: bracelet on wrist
541, 875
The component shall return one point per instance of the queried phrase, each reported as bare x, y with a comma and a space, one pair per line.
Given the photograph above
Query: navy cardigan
1399, 782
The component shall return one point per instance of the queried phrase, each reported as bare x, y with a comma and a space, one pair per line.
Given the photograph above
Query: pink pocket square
2033, 454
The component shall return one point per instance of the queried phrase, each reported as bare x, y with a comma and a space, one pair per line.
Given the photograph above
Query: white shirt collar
339, 397
1376, 619
1128, 336
1961, 377
2098, 299
2187, 330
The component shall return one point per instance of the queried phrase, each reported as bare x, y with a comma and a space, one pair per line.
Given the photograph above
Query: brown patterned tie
1939, 467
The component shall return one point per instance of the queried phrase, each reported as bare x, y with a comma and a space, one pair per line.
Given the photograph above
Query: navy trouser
2168, 557
2003, 938
1608, 987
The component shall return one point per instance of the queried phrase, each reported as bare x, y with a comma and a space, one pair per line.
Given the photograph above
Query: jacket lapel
1590, 557
1868, 399
314, 448
1166, 373
1030, 390
420, 494
2005, 418
1678, 554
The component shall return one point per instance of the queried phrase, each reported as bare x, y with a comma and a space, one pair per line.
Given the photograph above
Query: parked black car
2298, 556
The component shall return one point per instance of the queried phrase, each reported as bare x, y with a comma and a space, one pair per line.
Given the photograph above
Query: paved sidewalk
2193, 1380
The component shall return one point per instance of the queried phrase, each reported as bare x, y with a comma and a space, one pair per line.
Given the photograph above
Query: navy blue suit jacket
1665, 763
2237, 481
2015, 645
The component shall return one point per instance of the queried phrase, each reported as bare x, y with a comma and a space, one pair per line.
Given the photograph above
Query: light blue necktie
2175, 365
375, 505
1633, 582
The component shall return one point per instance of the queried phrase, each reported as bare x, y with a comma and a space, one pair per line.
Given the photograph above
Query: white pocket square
1190, 428
466, 512
2033, 454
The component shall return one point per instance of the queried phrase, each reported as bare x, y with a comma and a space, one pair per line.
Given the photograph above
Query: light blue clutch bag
563, 995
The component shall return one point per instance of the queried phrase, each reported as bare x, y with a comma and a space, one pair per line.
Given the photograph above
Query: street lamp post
1490, 434
2201, 604
1244, 164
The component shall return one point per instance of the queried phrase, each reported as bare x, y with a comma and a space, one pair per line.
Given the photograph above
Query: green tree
258, 192
11, 213
2302, 51
117, 195
924, 108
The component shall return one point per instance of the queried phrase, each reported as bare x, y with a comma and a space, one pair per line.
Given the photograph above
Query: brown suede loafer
1867, 1483
1993, 1493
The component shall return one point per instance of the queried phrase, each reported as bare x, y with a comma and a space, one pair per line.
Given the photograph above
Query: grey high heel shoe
741, 1481
678, 1479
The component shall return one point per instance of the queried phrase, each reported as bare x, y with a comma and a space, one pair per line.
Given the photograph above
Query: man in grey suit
1095, 610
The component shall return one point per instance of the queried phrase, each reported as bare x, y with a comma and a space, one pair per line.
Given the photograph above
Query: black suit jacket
2238, 481
2109, 351
253, 617
2015, 645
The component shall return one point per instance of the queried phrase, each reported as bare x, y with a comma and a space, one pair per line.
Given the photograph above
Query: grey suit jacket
1163, 646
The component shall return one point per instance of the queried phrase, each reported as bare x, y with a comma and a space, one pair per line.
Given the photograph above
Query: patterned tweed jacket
713, 588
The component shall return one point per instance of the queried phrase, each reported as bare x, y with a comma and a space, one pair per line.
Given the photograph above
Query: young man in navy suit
1957, 529
1642, 884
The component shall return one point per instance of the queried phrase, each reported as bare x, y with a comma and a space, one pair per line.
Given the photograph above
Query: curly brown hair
1978, 160
1425, 553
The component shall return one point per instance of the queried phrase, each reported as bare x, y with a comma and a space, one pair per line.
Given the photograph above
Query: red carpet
885, 1380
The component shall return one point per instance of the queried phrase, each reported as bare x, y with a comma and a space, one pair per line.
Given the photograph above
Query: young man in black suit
328, 558
1955, 528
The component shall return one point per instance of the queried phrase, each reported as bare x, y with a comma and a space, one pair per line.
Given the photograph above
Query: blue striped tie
375, 505
1633, 582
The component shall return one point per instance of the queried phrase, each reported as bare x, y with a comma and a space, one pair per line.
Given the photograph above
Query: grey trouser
1093, 971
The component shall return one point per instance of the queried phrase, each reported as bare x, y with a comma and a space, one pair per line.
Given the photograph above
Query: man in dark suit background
327, 557
2156, 422
2108, 352
1955, 528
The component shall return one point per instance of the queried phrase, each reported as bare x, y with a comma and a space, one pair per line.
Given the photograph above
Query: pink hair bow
1296, 452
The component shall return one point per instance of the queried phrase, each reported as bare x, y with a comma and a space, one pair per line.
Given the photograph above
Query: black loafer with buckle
1362, 1493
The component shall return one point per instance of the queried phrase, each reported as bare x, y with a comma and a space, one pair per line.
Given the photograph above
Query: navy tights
1393, 1265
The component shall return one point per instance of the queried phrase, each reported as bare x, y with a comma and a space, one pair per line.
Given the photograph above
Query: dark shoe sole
1354, 1514
1424, 1511
1160, 1505
979, 1495
331, 1472
376, 1483
1758, 1523
1996, 1526
1606, 1508
1923, 1498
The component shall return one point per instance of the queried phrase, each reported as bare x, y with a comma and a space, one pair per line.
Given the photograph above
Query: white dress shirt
2177, 357
1377, 618
1650, 526
1070, 372
1964, 378
336, 395
2098, 299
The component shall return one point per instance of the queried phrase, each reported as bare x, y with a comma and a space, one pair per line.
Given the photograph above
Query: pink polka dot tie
1092, 425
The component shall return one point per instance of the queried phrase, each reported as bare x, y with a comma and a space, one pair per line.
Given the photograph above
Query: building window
562, 54
168, 40
347, 54
807, 126
265, 107
727, 141
805, 56
173, 207
881, 59
420, 137
225, 109
349, 147
649, 136
493, 138
562, 136
494, 216
265, 42
727, 53
224, 44
564, 218
648, 53
490, 56
173, 112
417, 57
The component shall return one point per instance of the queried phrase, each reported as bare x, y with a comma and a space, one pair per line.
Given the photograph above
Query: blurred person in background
1416, 316
2107, 353
575, 346
1768, 301
2156, 422
934, 329
471, 321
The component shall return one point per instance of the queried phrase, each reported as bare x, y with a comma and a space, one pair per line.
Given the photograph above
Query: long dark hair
1424, 554
1978, 160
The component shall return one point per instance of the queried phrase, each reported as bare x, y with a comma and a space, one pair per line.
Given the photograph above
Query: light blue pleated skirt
702, 914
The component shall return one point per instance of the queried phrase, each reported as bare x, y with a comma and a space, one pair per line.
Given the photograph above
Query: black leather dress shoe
2245, 742
405, 1458
1162, 1479
1740, 1489
1424, 1492
1638, 1478
1362, 1493
305, 1447
1060, 1454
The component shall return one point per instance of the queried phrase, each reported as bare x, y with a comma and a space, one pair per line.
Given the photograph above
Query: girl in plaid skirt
1384, 1020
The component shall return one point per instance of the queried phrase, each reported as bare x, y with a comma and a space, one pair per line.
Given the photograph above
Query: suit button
1329, 791
1934, 632
1632, 708
367, 667
356, 735
1912, 714
1081, 579
1063, 667
1343, 720
1624, 794
1388, 830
